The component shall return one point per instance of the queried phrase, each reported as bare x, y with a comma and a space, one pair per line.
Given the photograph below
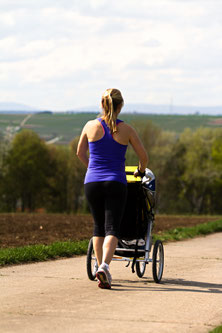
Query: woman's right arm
139, 150
82, 147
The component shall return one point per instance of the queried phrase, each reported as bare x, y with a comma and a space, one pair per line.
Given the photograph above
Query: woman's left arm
82, 147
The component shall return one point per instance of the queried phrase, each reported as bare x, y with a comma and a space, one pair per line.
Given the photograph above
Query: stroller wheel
91, 262
158, 261
140, 268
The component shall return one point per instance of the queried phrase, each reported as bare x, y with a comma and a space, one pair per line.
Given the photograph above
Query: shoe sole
103, 283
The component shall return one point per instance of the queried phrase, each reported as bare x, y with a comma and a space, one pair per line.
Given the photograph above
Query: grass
42, 252
68, 249
189, 232
217, 330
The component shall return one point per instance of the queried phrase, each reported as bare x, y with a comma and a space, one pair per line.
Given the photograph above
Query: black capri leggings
107, 203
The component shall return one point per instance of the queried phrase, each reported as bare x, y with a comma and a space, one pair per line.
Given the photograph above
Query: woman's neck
103, 116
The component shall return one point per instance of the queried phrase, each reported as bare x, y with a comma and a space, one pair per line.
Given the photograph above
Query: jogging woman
105, 182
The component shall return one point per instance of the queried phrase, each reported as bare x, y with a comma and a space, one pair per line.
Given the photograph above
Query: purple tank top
106, 158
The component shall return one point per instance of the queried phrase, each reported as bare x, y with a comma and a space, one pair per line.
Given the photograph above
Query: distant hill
163, 109
62, 127
8, 106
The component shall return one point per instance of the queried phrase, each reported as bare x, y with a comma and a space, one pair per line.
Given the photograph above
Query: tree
217, 150
149, 134
190, 179
200, 172
26, 170
4, 147
56, 191
169, 180
76, 197
217, 160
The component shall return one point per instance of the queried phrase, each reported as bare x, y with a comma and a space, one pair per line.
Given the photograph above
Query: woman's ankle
104, 264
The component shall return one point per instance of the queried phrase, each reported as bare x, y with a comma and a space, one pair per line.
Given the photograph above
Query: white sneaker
104, 277
95, 268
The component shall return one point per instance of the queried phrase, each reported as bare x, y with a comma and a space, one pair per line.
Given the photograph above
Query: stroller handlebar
149, 176
148, 181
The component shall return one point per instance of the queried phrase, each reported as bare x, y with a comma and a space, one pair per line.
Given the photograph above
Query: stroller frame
137, 255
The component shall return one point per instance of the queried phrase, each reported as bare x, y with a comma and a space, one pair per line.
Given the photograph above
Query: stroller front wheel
158, 261
140, 268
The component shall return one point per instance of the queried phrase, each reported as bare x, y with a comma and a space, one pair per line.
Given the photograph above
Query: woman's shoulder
92, 123
91, 126
124, 125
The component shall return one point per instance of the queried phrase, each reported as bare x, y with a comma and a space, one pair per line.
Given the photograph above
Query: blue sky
62, 54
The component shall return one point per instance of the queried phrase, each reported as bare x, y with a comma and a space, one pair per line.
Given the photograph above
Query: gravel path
56, 296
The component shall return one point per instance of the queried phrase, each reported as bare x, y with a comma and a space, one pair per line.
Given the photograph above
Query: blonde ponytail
110, 100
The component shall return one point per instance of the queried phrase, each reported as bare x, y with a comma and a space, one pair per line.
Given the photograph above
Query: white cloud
7, 19
54, 53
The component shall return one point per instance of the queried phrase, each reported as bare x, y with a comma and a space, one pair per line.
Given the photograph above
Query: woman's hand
137, 173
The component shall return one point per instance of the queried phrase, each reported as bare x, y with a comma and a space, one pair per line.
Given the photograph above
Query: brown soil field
28, 229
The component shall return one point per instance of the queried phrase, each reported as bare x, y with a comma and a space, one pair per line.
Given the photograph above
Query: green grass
174, 123
189, 232
217, 330
68, 249
42, 252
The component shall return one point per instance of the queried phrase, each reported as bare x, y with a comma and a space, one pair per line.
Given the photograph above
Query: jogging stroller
135, 242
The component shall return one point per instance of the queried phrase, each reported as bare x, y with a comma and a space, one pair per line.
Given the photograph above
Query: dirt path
57, 296
24, 121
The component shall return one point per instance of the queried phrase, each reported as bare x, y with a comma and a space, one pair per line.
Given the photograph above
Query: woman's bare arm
139, 150
82, 147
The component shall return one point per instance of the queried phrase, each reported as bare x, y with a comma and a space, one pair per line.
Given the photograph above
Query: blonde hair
111, 99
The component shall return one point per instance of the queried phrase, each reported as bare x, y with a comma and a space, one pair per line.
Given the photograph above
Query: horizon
84, 107
137, 108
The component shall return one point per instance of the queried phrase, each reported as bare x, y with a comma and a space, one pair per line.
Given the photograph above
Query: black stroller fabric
134, 222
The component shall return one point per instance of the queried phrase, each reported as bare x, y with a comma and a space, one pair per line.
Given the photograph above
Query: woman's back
121, 133
95, 132
107, 155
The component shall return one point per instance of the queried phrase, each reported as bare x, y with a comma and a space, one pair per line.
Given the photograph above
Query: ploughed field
28, 229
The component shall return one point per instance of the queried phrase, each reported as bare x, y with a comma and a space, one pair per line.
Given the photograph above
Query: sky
63, 54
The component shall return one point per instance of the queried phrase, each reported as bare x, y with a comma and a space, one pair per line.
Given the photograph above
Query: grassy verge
68, 249
189, 232
42, 252
217, 330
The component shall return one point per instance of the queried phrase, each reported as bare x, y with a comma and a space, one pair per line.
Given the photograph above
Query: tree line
188, 169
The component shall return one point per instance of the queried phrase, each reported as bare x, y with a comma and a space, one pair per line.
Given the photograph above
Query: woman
105, 182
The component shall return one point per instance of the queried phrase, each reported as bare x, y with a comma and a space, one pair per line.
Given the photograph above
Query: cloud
54, 52
152, 43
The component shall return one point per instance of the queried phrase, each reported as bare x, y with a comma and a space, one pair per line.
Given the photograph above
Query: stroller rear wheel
158, 261
91, 262
140, 268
